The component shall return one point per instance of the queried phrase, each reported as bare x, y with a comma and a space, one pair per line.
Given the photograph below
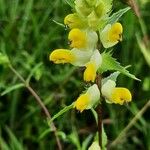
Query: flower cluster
88, 25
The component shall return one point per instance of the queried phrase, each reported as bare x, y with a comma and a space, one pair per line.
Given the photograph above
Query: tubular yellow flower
82, 102
92, 66
88, 99
61, 56
111, 34
77, 38
74, 21
115, 33
117, 95
121, 95
90, 72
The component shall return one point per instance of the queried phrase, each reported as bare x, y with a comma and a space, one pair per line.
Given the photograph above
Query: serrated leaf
110, 63
61, 112
12, 88
104, 139
112, 76
116, 16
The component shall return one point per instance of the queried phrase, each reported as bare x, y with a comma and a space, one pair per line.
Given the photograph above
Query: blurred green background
28, 35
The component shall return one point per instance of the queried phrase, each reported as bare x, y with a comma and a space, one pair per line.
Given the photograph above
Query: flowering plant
92, 24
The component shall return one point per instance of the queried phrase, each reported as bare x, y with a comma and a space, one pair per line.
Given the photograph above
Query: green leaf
86, 142
61, 112
33, 71
116, 16
70, 3
112, 76
58, 23
44, 133
104, 139
3, 59
110, 63
12, 88
3, 144
14, 143
145, 51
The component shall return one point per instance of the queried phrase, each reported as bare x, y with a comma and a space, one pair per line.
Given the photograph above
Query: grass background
27, 36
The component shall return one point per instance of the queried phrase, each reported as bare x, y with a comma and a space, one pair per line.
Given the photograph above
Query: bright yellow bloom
90, 72
121, 95
84, 40
74, 56
77, 38
92, 66
113, 94
74, 21
111, 34
61, 56
88, 99
115, 33
82, 102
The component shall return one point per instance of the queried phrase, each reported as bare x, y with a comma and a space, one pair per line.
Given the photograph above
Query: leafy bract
116, 16
110, 63
61, 112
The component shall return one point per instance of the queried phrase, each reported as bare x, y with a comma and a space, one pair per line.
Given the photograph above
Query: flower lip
61, 56
77, 38
121, 95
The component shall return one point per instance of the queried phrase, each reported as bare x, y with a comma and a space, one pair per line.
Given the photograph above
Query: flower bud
3, 59
82, 8
74, 21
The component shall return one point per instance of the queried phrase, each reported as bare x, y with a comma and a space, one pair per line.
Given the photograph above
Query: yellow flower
88, 99
111, 35
90, 72
92, 66
113, 94
121, 95
77, 38
74, 56
82, 39
74, 21
62, 56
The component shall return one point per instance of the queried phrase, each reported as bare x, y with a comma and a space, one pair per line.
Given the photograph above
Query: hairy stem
99, 111
41, 104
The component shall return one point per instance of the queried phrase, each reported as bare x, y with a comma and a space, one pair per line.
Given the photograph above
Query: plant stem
99, 111
41, 104
132, 122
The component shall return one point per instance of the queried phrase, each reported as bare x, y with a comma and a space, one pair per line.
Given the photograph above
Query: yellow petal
115, 33
61, 56
77, 38
73, 21
82, 102
121, 95
90, 72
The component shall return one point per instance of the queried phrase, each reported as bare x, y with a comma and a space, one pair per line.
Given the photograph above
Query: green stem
41, 104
